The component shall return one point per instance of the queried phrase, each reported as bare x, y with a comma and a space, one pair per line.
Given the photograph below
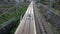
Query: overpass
33, 22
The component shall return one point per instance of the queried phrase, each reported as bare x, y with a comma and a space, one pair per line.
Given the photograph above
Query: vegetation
10, 16
21, 12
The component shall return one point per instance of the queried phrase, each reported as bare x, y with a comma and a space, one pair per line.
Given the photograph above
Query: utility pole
17, 4
17, 7
50, 3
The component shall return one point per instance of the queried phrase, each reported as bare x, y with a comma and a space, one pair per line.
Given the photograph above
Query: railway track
41, 23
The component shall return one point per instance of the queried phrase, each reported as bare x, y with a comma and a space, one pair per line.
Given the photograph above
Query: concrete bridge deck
27, 24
